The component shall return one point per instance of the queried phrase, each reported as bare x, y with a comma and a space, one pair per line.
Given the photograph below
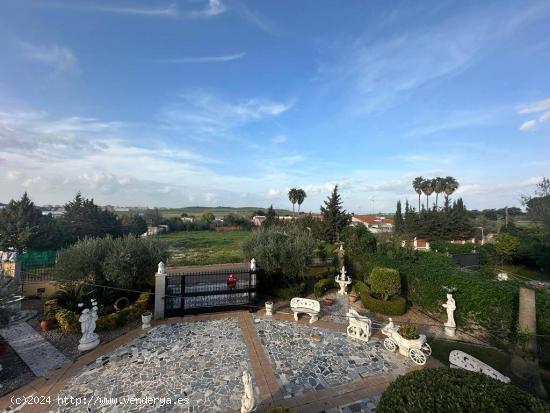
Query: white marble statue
162, 268
450, 325
88, 320
248, 401
253, 264
343, 281
459, 359
343, 273
359, 327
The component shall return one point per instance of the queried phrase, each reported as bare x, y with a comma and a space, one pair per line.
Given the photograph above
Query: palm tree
451, 185
428, 189
293, 197
439, 186
300, 197
417, 185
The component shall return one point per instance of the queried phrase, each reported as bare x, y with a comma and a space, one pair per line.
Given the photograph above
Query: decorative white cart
418, 350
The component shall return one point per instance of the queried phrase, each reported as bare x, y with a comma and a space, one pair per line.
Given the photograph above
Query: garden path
34, 350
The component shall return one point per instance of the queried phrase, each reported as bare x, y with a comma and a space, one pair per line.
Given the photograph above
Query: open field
205, 247
197, 211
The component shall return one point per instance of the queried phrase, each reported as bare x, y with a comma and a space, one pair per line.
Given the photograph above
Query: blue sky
227, 102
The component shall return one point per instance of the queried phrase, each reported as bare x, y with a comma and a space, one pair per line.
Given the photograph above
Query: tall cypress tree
335, 218
398, 222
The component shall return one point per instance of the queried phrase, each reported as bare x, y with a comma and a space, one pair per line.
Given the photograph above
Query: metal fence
198, 292
469, 261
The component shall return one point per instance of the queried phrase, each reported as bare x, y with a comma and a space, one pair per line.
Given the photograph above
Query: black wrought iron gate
199, 292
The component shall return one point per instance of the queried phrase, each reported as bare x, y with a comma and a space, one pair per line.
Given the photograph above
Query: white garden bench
305, 305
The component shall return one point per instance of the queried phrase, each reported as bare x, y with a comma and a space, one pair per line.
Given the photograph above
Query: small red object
231, 281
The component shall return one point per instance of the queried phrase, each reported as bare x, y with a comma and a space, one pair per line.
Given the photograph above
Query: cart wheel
427, 349
389, 344
417, 356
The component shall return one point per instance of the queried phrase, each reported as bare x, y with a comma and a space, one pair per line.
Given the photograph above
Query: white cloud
545, 117
207, 59
280, 139
535, 107
214, 8
207, 115
527, 126
60, 58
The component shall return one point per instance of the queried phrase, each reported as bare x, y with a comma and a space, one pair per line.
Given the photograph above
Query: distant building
417, 244
258, 220
158, 229
187, 219
375, 224
56, 213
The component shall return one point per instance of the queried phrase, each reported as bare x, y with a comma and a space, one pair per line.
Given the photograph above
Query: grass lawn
497, 359
205, 247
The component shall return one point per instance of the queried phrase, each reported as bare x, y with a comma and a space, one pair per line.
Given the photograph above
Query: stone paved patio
302, 365
201, 360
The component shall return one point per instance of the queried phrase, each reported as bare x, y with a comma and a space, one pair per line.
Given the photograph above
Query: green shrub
408, 331
281, 409
455, 390
282, 252
385, 282
322, 286
289, 292
50, 308
67, 320
395, 306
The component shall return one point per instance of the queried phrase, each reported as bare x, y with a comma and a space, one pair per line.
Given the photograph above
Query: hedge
455, 390
322, 286
481, 300
68, 320
385, 282
395, 306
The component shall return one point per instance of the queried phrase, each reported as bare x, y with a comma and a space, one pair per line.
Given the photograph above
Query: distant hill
219, 211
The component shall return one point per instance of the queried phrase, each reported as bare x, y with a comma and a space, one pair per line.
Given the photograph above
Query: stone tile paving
367, 405
301, 364
202, 361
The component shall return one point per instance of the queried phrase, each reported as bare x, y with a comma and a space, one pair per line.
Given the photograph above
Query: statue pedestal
343, 285
450, 331
88, 343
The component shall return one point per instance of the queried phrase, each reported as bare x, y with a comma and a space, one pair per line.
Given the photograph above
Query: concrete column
160, 291
528, 316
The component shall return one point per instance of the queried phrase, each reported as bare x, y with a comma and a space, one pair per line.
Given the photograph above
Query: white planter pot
269, 308
146, 320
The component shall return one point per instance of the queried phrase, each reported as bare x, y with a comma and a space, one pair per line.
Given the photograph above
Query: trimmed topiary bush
385, 282
395, 306
455, 390
322, 286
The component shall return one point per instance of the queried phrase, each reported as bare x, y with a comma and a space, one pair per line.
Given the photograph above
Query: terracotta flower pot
46, 325
329, 300
352, 297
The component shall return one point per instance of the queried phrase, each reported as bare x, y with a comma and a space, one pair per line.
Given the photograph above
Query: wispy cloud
256, 19
207, 59
60, 58
532, 109
280, 139
528, 126
172, 10
207, 115
535, 107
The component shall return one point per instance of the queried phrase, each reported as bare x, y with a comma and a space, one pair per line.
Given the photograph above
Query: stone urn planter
353, 297
417, 349
269, 308
46, 324
146, 318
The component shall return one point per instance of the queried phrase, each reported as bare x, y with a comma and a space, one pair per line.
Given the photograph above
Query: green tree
449, 187
153, 217
507, 246
398, 220
83, 218
538, 207
417, 185
23, 227
293, 197
439, 186
428, 189
134, 224
208, 217
300, 198
271, 217
334, 216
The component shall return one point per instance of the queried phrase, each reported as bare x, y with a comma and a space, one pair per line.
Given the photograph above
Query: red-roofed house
374, 223
417, 244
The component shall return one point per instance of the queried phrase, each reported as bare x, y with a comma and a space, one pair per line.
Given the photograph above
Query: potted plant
353, 297
146, 319
329, 300
269, 308
46, 324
